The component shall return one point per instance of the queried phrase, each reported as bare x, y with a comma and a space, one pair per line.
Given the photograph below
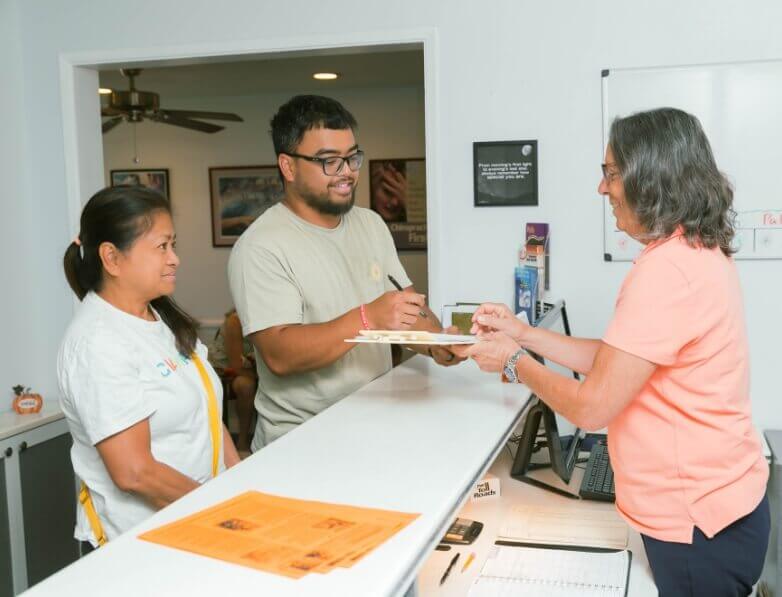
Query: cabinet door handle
8, 452
22, 446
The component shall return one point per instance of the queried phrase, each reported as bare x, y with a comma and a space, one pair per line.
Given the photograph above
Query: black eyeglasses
333, 165
608, 176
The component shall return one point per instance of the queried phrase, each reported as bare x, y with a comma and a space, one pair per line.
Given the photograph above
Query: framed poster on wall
397, 191
238, 195
505, 173
155, 179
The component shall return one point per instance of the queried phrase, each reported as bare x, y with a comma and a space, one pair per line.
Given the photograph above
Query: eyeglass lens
332, 166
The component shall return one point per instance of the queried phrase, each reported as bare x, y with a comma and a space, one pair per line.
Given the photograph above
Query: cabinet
6, 578
37, 504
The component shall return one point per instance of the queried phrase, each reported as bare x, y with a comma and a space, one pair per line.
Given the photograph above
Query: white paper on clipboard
410, 337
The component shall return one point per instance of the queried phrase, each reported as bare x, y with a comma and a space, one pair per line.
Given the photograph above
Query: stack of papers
599, 527
280, 535
410, 337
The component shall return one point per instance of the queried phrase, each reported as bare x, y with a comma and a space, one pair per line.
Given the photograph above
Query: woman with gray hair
670, 377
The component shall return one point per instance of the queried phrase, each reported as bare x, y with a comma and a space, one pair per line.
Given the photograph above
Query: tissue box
486, 489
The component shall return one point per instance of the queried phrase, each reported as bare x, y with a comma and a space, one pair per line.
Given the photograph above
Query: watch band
510, 365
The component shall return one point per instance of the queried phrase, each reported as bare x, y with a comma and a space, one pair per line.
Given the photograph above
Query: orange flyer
284, 536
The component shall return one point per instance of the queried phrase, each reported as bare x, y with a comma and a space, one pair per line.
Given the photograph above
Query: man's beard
322, 204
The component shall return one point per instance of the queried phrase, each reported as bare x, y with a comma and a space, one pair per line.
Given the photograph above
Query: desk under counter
413, 440
492, 511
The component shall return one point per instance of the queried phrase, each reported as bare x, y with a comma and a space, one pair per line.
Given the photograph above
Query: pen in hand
450, 566
398, 286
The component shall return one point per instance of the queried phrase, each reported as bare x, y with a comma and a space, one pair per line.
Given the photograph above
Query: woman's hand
496, 317
491, 352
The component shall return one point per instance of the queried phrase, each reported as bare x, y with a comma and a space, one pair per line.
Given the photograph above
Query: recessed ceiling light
325, 76
104, 91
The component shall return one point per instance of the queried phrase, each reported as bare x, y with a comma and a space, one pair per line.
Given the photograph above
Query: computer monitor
543, 428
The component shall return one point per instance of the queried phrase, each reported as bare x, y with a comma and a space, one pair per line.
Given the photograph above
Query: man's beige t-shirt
284, 270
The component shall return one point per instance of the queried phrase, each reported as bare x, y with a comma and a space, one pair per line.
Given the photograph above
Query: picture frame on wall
397, 192
238, 195
505, 173
151, 178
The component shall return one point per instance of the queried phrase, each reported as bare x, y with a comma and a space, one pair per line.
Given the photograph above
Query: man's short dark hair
304, 112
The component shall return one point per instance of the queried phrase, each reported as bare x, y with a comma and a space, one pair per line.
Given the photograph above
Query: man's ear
285, 163
109, 256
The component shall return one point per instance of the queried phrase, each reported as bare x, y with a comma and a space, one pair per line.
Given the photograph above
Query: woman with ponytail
142, 402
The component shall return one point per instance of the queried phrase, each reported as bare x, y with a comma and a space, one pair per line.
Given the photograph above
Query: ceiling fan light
104, 91
325, 76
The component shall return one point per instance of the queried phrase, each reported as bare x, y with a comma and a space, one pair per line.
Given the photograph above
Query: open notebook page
545, 572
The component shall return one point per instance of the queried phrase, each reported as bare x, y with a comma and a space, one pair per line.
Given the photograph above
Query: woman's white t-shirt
114, 370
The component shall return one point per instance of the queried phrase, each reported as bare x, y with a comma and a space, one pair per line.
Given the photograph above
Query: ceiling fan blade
110, 124
206, 115
204, 127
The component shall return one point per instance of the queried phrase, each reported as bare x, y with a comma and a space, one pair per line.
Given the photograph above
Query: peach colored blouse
684, 451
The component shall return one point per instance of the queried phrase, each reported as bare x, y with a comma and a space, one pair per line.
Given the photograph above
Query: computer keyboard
598, 481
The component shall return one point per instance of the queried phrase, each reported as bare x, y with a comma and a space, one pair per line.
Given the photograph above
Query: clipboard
410, 337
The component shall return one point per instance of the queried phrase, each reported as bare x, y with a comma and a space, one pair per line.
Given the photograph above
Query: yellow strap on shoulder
92, 516
211, 406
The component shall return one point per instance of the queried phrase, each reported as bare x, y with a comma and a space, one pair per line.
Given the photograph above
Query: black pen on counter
398, 286
450, 567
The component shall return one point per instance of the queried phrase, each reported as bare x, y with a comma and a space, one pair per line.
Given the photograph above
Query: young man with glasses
313, 270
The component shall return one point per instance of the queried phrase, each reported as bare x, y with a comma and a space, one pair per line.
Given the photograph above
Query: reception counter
414, 440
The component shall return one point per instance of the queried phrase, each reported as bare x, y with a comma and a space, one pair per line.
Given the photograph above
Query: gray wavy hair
671, 179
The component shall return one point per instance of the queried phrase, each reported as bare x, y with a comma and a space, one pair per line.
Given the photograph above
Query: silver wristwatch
510, 366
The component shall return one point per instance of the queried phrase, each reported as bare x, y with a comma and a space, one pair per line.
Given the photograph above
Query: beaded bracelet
364, 321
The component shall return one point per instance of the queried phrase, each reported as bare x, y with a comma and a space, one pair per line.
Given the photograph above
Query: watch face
509, 373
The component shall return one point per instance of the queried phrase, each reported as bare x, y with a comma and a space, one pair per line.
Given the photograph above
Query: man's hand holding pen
395, 310
442, 355
398, 286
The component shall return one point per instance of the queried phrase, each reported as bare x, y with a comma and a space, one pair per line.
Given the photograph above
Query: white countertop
12, 423
413, 440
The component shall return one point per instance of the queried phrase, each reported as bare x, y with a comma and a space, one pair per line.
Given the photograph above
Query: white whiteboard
740, 108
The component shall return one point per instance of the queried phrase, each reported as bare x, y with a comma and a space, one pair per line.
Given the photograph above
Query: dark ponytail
72, 263
119, 215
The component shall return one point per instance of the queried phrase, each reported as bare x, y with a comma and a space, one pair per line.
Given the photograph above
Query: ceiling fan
134, 106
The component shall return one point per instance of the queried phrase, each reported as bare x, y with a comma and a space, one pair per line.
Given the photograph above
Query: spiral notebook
589, 526
535, 571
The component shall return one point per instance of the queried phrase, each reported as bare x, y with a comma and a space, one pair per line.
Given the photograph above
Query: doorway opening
388, 86
220, 172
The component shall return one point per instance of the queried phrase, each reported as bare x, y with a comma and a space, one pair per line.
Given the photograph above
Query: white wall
19, 303
391, 124
506, 69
